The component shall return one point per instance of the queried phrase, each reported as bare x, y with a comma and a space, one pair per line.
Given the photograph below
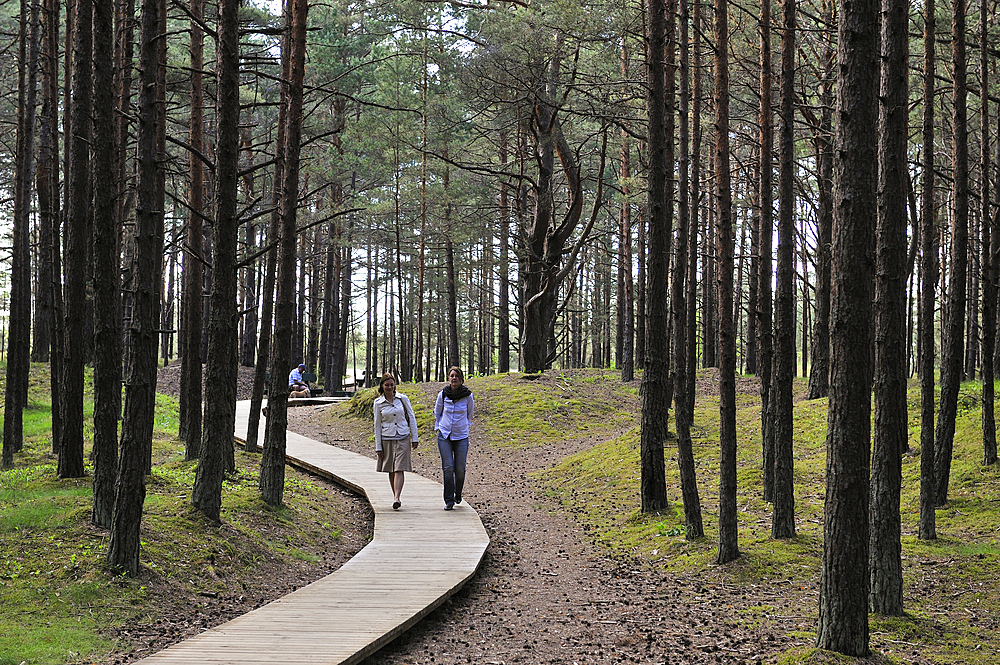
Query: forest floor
546, 593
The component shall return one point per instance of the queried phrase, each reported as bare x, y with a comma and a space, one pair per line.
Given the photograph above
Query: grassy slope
58, 602
951, 595
56, 595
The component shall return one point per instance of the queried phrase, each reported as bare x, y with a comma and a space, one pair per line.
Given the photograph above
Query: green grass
59, 603
56, 595
555, 406
950, 581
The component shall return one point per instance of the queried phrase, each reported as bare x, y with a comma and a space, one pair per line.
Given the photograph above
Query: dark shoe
449, 506
396, 505
458, 499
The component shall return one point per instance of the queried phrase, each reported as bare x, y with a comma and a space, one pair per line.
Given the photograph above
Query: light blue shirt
451, 419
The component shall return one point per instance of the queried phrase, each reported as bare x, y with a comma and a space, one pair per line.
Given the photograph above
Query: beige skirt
395, 455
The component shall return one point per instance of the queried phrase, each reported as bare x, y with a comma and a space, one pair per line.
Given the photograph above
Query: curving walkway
418, 557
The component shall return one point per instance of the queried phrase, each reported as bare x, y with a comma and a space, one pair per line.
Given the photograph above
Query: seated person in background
296, 385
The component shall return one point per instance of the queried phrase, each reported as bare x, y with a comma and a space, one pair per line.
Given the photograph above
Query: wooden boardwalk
418, 557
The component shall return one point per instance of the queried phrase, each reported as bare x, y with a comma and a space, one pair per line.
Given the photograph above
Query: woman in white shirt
395, 434
452, 412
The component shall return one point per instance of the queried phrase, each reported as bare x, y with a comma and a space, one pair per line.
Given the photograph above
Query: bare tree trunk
696, 192
928, 279
844, 583
954, 332
886, 596
272, 472
19, 326
682, 399
47, 176
192, 311
78, 207
221, 358
626, 311
728, 527
783, 369
990, 246
503, 304
765, 343
107, 286
267, 308
454, 359
141, 345
43, 322
655, 407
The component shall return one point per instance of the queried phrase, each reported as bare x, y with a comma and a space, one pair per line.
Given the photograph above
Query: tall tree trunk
140, 368
655, 408
640, 288
454, 359
272, 468
728, 527
682, 402
765, 340
990, 246
626, 299
547, 237
695, 201
107, 287
844, 583
954, 333
192, 312
55, 251
928, 281
77, 240
819, 378
221, 359
42, 323
19, 325
890, 316
503, 303
783, 372
273, 232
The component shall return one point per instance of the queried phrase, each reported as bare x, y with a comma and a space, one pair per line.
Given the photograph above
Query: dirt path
543, 593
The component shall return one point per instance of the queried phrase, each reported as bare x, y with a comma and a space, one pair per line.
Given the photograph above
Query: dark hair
461, 374
385, 377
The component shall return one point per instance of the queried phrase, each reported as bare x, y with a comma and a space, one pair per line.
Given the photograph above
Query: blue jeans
453, 454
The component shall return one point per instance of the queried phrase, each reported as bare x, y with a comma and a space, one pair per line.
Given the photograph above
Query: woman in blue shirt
452, 413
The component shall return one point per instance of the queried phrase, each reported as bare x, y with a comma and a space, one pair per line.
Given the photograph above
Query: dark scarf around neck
457, 393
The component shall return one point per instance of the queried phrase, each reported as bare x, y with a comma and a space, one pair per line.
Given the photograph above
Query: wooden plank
351, 613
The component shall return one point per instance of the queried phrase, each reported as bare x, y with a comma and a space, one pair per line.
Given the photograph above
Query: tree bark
19, 322
655, 407
783, 371
192, 312
267, 297
990, 247
107, 286
46, 64
844, 583
928, 281
819, 378
221, 359
141, 344
272, 473
953, 334
77, 239
728, 527
682, 399
886, 596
